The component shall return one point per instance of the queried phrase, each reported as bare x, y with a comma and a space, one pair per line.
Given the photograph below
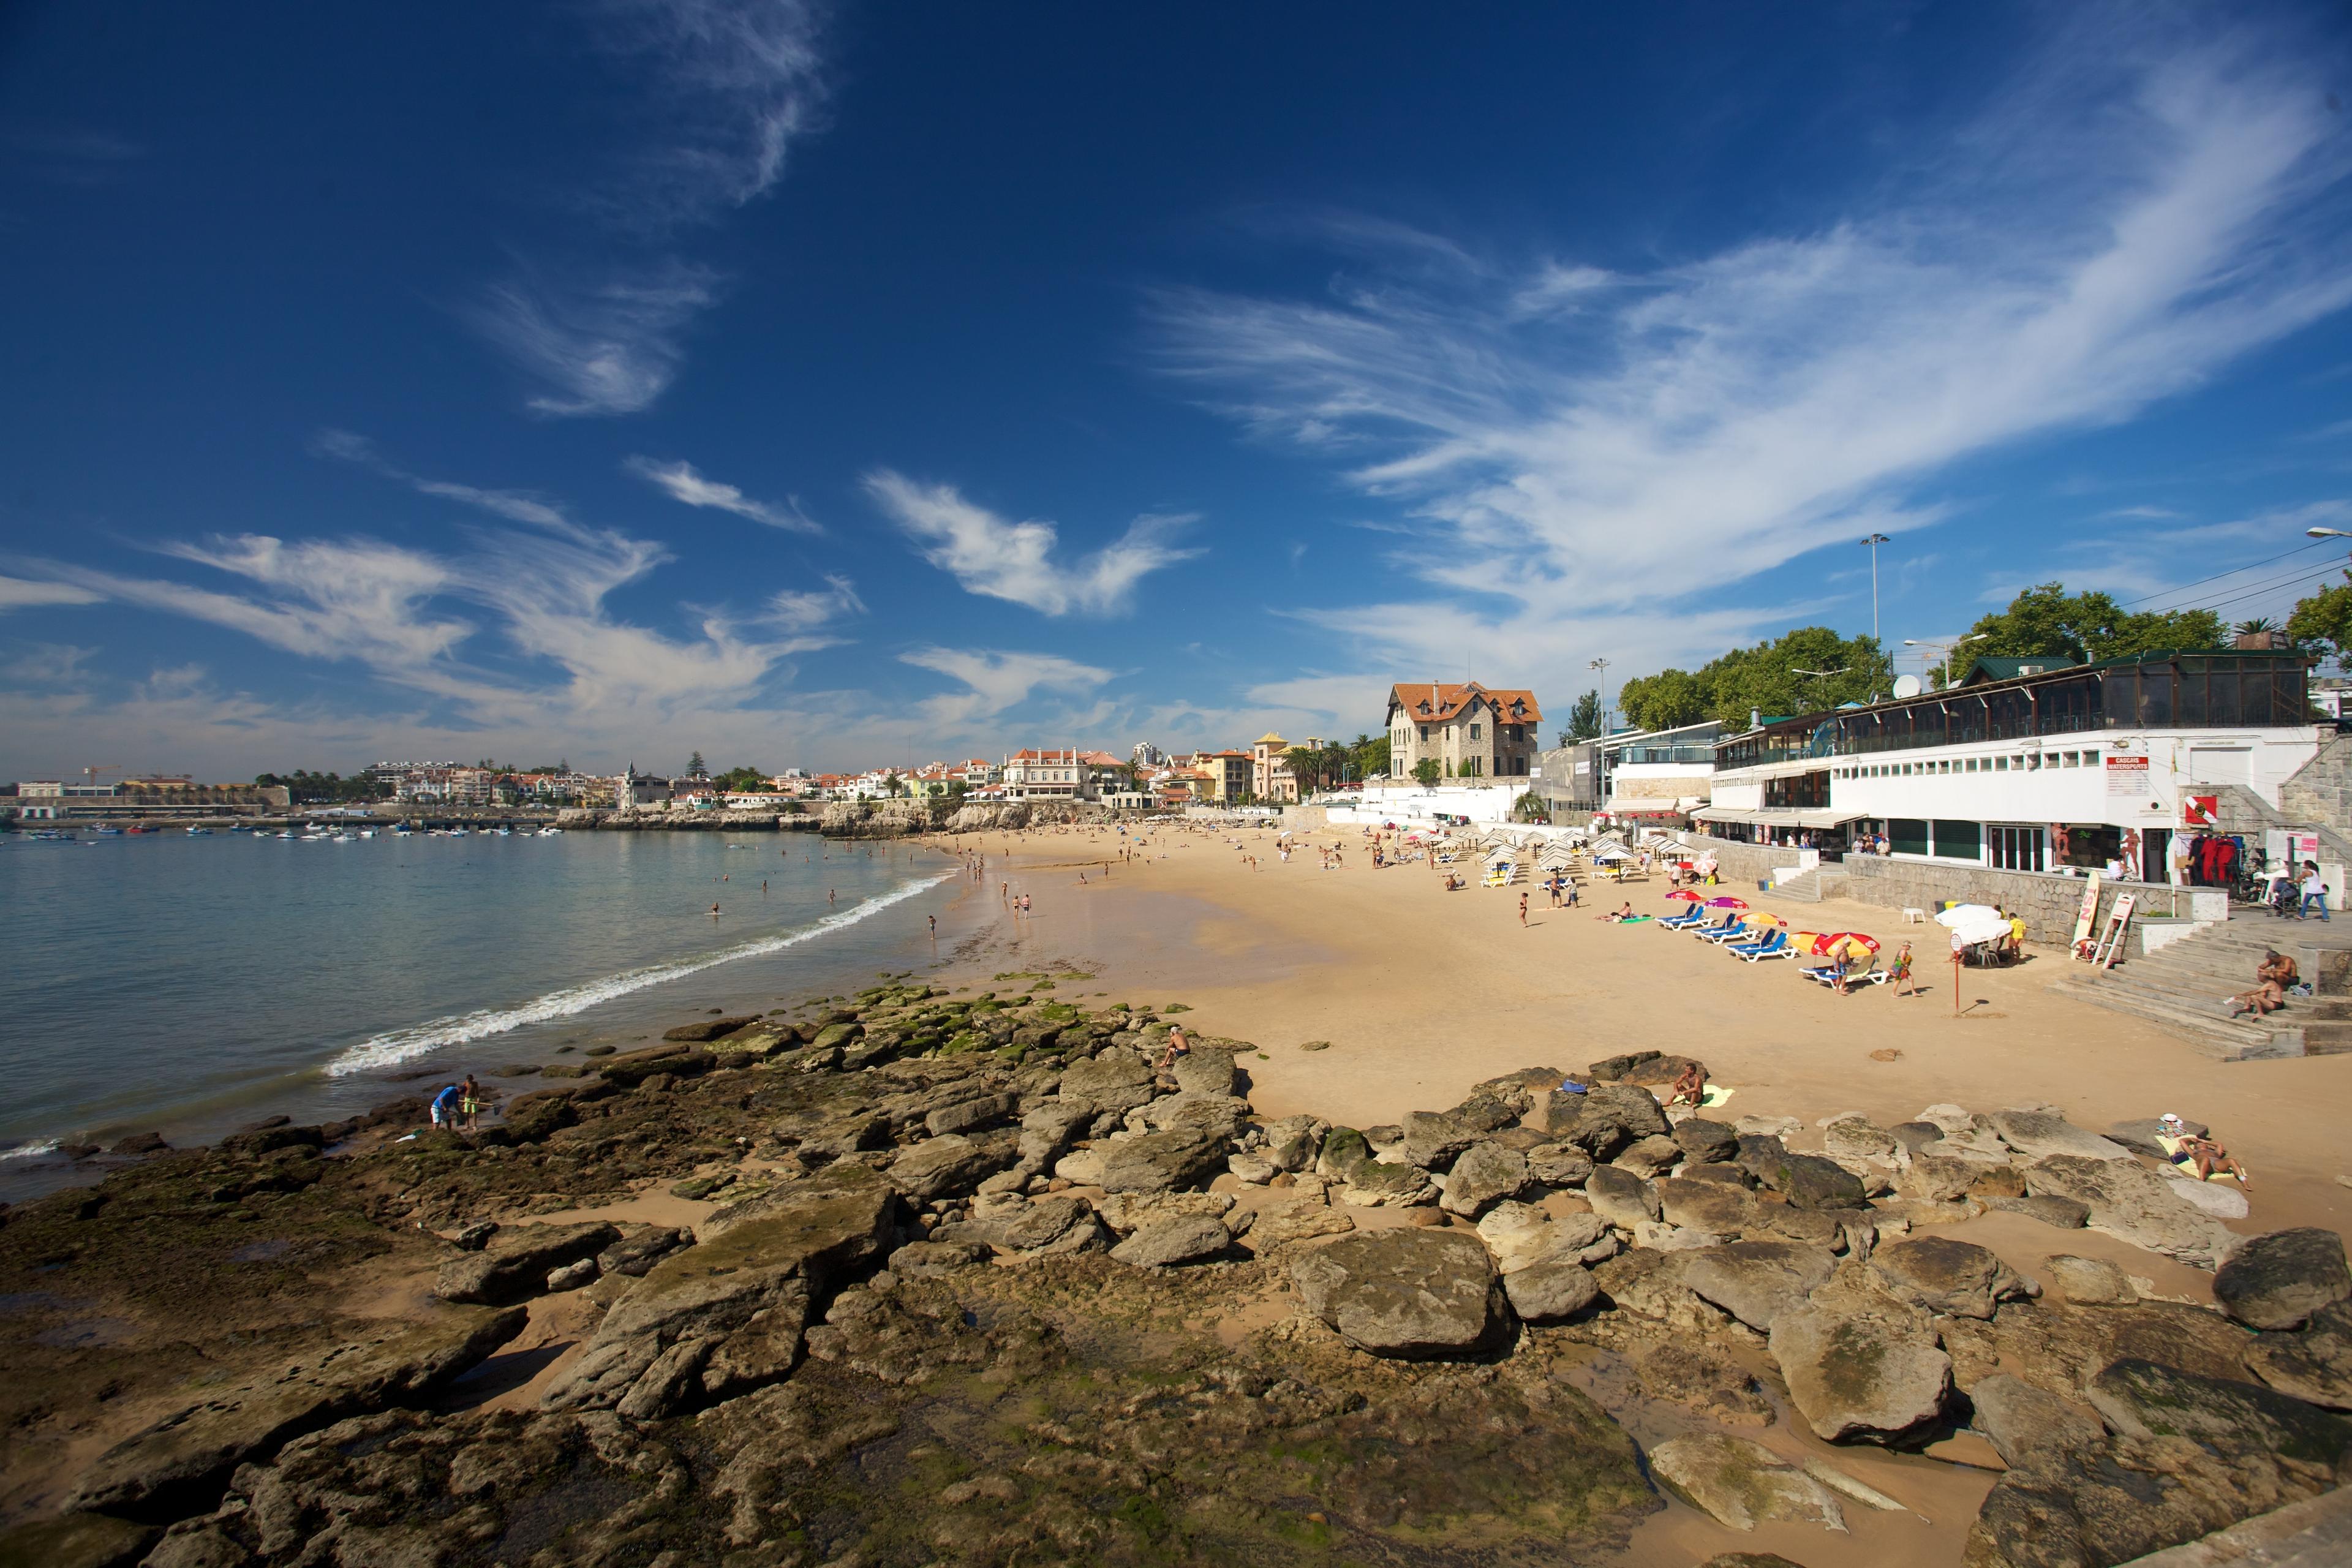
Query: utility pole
1874, 541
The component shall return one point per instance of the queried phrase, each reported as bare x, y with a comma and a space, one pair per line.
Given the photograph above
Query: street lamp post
1950, 647
1874, 541
1601, 745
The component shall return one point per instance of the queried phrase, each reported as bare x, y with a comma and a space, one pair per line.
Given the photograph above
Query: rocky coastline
963, 1278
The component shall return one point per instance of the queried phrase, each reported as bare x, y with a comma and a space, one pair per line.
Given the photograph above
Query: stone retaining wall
2049, 902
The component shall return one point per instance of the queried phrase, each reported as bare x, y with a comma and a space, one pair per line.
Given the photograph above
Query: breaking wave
402, 1045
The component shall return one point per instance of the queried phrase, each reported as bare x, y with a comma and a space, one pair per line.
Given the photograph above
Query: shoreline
987, 1203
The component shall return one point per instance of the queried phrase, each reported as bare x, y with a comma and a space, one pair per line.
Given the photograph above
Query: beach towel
2176, 1150
1716, 1095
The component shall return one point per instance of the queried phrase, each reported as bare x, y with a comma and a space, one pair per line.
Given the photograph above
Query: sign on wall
2127, 776
2200, 811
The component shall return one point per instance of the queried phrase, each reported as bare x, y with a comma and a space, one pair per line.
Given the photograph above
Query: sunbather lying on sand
1621, 912
2201, 1154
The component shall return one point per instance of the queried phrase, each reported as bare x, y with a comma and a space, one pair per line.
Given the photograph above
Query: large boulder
2313, 1364
1620, 1198
2279, 1279
1520, 1235
179, 1463
703, 1029
1741, 1484
517, 1262
1807, 1181
1861, 1368
1483, 1175
970, 1113
1112, 1080
1048, 1130
1377, 1183
1167, 1242
939, 1167
1413, 1294
1559, 1164
1721, 1208
1546, 1292
2146, 1135
1206, 1071
2222, 1200
2091, 1281
1952, 1278
2038, 1134
1293, 1142
2128, 1201
1434, 1138
1180, 1158
1279, 1226
1756, 1281
1708, 1142
1049, 1227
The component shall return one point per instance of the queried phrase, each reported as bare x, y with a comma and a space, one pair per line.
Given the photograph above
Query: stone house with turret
1471, 730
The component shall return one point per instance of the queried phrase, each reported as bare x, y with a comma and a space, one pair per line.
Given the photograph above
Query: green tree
2047, 621
1306, 766
1368, 755
1663, 700
2255, 627
2323, 621
1584, 719
694, 763
893, 785
1531, 807
1428, 771
1802, 671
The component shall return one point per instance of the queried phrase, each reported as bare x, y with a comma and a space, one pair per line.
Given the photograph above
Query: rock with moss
1741, 1483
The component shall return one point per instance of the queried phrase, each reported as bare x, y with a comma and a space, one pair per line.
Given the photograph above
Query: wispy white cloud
995, 681
607, 347
2081, 252
802, 610
516, 506
684, 485
19, 594
722, 87
1013, 561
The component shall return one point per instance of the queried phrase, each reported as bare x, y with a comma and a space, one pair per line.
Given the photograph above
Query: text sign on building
2128, 775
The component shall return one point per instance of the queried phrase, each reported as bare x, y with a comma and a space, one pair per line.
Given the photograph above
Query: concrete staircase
1826, 882
2182, 984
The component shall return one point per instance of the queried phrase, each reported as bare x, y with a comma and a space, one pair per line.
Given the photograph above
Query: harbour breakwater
835, 819
976, 1278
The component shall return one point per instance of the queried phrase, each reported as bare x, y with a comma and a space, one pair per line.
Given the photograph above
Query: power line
2247, 590
2253, 594
2232, 572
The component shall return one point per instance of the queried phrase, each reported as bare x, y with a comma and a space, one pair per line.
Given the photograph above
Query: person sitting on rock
1689, 1088
2200, 1151
1178, 1047
2272, 976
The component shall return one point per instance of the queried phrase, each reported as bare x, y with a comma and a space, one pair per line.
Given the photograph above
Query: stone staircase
2182, 984
1826, 882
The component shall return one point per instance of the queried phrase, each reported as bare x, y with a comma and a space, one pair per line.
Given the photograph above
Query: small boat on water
109, 833
457, 832
288, 834
367, 833
200, 832
551, 833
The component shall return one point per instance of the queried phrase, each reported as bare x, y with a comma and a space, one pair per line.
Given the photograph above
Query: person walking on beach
470, 1101
934, 920
1523, 911
1906, 983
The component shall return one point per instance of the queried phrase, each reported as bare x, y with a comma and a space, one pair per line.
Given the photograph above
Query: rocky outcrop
2091, 1282
1741, 1484
178, 1463
2278, 1280
2312, 1364
1409, 1294
1620, 1197
1169, 1242
517, 1262
1550, 1290
2128, 1201
2038, 1134
727, 1315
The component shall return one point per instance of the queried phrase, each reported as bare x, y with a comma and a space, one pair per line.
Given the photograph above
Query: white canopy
1960, 913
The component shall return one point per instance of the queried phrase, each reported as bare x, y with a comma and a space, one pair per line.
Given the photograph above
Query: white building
1662, 775
2082, 765
1054, 774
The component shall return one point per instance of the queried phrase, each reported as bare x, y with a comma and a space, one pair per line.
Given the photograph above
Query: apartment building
1470, 730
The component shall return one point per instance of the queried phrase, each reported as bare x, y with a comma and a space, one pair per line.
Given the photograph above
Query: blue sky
813, 385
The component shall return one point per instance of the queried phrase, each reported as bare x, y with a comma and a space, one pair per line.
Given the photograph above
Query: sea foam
397, 1046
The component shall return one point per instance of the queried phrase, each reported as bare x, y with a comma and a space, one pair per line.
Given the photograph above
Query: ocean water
193, 984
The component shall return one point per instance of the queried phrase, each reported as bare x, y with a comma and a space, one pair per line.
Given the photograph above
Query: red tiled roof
1445, 702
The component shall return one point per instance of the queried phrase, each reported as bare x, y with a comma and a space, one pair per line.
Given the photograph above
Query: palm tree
2256, 626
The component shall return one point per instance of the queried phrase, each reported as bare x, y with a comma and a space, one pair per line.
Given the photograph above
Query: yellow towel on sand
2172, 1147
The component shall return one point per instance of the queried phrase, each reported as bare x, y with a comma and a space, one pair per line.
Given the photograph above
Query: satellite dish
1907, 686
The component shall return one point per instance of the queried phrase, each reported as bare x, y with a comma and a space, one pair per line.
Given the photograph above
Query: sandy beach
1423, 993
